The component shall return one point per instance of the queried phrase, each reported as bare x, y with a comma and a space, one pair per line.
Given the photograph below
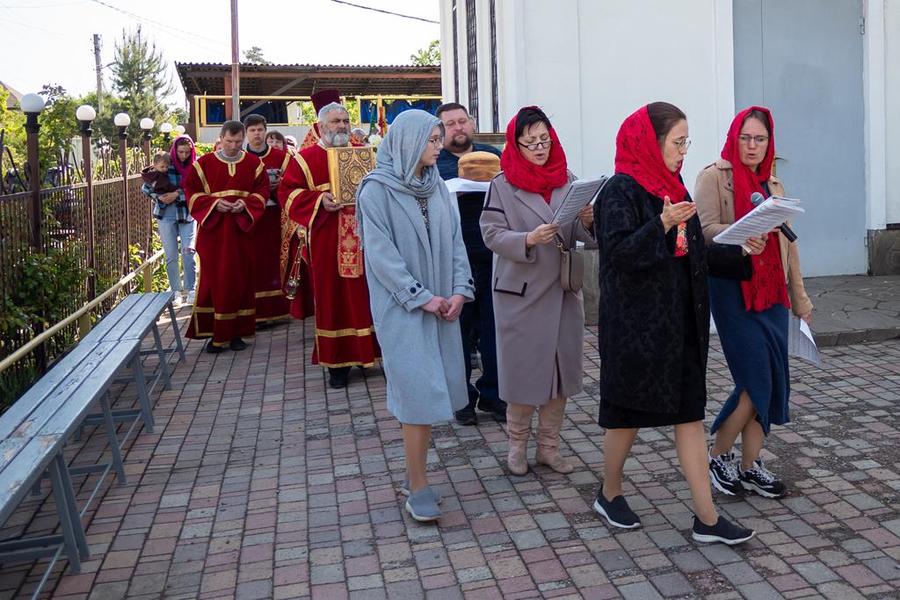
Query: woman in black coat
654, 312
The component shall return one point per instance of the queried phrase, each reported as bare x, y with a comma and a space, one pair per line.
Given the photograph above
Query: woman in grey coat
419, 279
540, 326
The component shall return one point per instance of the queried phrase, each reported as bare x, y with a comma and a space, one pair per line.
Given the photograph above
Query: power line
194, 35
386, 12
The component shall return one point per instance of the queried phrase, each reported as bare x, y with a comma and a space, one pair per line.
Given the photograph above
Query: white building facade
828, 69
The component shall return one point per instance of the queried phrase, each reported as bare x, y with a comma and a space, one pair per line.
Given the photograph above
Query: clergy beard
336, 139
454, 146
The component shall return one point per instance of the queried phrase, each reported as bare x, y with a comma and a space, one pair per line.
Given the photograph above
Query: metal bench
35, 429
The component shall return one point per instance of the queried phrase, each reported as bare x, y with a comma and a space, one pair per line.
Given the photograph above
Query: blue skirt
755, 347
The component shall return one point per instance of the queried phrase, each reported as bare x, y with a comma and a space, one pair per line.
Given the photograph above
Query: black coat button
412, 290
418, 285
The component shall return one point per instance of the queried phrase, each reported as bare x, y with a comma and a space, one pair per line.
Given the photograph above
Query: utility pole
235, 64
99, 69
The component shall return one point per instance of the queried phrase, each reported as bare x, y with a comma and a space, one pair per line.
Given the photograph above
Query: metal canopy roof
302, 80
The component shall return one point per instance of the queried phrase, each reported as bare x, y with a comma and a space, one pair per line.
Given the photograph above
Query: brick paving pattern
261, 482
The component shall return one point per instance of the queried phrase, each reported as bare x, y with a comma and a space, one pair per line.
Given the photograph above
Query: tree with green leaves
140, 76
428, 57
58, 125
254, 56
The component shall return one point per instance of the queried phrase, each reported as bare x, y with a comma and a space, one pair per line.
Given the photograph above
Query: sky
51, 41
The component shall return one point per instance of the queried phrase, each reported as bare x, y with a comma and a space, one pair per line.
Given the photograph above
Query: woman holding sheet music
540, 325
654, 312
751, 316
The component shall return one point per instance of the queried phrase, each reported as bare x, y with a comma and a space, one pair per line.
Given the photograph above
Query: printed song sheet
800, 341
580, 194
765, 217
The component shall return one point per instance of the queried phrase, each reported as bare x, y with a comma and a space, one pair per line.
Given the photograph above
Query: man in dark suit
478, 316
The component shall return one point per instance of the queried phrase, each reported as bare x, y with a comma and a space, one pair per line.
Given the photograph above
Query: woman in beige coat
540, 327
751, 316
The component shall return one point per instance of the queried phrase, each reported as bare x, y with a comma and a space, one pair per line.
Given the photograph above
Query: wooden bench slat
133, 318
30, 462
11, 421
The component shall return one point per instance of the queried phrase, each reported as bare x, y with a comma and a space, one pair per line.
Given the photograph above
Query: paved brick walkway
260, 482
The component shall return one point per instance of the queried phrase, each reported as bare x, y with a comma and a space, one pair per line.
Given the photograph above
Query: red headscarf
181, 167
528, 176
638, 155
767, 286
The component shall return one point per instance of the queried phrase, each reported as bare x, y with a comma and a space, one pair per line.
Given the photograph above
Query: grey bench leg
175, 331
71, 546
72, 505
113, 440
141, 383
163, 360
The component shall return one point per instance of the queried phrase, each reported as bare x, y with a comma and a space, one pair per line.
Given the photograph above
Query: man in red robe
226, 192
271, 304
345, 335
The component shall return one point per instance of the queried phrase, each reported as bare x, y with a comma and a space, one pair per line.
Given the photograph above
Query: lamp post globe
146, 123
122, 120
85, 115
179, 129
166, 130
31, 104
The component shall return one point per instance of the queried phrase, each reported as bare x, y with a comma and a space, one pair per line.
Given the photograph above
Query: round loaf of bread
479, 166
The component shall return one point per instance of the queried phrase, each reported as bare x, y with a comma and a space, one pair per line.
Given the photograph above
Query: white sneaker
191, 296
177, 301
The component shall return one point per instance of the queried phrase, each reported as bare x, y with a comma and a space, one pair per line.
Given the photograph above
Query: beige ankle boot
518, 425
550, 418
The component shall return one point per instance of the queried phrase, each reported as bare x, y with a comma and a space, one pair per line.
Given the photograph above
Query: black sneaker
212, 348
724, 474
723, 531
237, 344
762, 481
467, 416
616, 511
496, 408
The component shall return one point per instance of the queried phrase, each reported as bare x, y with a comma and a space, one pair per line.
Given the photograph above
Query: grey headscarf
400, 152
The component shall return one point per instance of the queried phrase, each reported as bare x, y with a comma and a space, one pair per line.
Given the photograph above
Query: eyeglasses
759, 139
682, 144
437, 142
537, 145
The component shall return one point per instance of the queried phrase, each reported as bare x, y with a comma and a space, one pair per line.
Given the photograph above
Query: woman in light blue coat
419, 279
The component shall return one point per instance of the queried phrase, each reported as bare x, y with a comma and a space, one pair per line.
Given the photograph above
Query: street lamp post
147, 126
122, 121
32, 105
86, 115
166, 130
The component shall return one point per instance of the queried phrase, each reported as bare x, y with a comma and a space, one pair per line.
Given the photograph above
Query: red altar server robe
225, 305
271, 304
344, 332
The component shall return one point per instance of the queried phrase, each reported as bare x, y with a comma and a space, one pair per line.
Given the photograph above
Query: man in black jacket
478, 316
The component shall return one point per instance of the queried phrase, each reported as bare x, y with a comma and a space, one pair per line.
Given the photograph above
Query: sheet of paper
800, 341
768, 215
580, 194
458, 185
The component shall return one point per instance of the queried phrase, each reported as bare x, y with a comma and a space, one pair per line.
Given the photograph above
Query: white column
483, 39
874, 66
447, 90
512, 76
724, 32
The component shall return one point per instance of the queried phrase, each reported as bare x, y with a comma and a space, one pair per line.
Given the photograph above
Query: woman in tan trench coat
540, 327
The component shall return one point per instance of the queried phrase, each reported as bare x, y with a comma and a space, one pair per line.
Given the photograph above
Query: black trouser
478, 316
